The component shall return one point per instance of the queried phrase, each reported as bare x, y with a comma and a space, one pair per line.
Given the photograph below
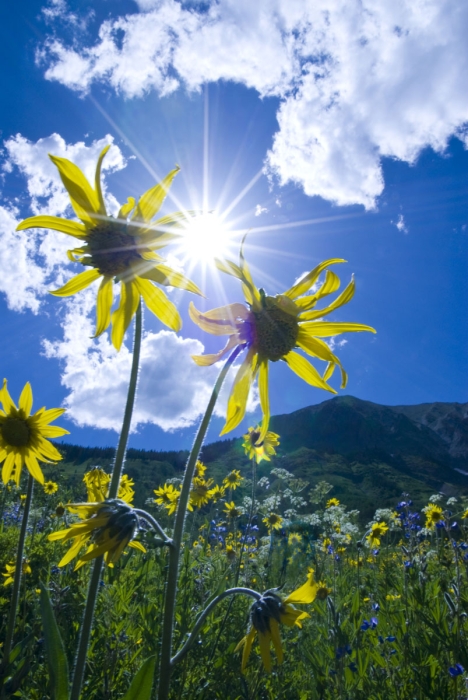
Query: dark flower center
275, 329
16, 432
111, 248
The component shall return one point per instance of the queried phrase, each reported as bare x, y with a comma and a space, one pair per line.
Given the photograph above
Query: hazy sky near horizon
325, 128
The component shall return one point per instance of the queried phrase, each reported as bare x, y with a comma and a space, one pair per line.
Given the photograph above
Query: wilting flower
434, 514
270, 328
332, 502
22, 435
376, 532
273, 521
107, 527
267, 613
232, 511
200, 491
118, 250
258, 449
233, 479
50, 487
10, 572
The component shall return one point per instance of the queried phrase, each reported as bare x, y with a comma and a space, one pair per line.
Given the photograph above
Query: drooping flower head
97, 483
270, 328
23, 436
258, 449
106, 527
121, 249
268, 613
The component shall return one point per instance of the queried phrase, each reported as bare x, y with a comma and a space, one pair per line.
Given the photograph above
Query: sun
205, 238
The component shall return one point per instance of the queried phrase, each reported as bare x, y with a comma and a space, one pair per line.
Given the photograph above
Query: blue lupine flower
352, 666
376, 607
374, 622
456, 670
365, 625
390, 639
440, 524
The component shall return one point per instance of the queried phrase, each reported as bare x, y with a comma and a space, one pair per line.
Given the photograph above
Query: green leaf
140, 688
55, 651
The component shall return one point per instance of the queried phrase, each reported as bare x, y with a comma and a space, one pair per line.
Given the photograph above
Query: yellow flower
434, 514
322, 590
97, 485
270, 328
233, 479
200, 491
294, 538
107, 527
326, 542
231, 510
392, 597
22, 435
60, 510
273, 521
118, 250
230, 552
465, 514
200, 469
50, 487
260, 450
10, 572
267, 613
216, 493
332, 502
23, 498
376, 532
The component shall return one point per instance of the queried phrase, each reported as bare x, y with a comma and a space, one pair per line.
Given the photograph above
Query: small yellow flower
217, 493
376, 532
392, 597
434, 514
60, 510
267, 613
97, 485
332, 502
326, 542
270, 328
23, 498
230, 552
260, 449
322, 590
294, 538
10, 572
107, 527
200, 469
233, 479
50, 487
165, 494
121, 249
200, 491
273, 521
22, 435
232, 511
465, 514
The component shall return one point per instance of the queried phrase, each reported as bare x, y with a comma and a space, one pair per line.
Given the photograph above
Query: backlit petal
158, 303
33, 467
306, 371
208, 360
121, 318
325, 329
26, 399
150, 202
220, 321
331, 284
7, 468
77, 283
71, 228
104, 301
97, 181
163, 274
6, 399
237, 402
308, 280
82, 196
264, 398
345, 296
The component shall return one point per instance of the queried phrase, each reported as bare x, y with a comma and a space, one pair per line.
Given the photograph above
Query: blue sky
327, 129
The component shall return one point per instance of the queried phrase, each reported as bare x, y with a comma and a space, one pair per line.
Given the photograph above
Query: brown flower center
16, 432
275, 329
111, 248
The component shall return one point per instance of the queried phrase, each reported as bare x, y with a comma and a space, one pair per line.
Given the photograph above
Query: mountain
370, 453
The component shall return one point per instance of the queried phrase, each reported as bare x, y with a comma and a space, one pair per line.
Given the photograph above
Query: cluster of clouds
358, 80
173, 390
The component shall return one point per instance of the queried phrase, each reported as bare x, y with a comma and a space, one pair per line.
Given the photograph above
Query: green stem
86, 627
17, 580
174, 551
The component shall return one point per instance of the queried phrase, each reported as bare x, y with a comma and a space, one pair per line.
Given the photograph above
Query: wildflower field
249, 582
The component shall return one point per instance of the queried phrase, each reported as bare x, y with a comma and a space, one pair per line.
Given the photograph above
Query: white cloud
400, 224
172, 393
358, 79
260, 210
34, 261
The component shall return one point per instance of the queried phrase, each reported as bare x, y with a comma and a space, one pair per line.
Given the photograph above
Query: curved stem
154, 524
17, 580
202, 617
87, 624
174, 551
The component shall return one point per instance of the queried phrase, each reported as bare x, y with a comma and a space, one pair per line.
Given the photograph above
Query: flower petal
77, 283
158, 303
71, 228
318, 348
129, 300
126, 208
345, 296
82, 196
7, 468
306, 371
305, 593
53, 431
331, 284
163, 274
308, 280
105, 297
33, 467
276, 639
264, 641
325, 329
150, 202
97, 181
5, 398
264, 398
240, 392
26, 399
47, 416
219, 321
208, 360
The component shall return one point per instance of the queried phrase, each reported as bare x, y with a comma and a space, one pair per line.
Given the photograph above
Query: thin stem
174, 552
154, 524
87, 624
17, 580
202, 617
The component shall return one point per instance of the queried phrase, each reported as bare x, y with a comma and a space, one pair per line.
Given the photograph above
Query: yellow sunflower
97, 485
268, 613
260, 449
200, 469
217, 493
22, 435
322, 590
10, 572
232, 511
121, 249
233, 479
200, 491
270, 328
434, 514
50, 487
332, 502
273, 521
107, 527
376, 532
